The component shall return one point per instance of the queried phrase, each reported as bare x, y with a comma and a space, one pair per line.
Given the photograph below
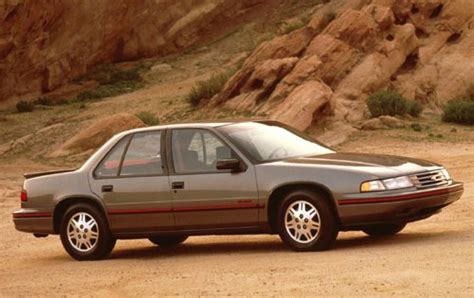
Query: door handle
107, 188
177, 185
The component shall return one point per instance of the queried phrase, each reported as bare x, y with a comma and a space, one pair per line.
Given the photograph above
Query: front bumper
371, 208
33, 221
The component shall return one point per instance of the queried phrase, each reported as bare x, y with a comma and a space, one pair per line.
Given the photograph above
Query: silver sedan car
166, 183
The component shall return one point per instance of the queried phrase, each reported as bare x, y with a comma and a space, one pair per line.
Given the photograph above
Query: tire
168, 241
81, 220
312, 227
383, 229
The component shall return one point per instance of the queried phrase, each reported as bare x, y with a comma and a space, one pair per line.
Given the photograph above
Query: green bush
459, 111
148, 118
414, 108
387, 102
208, 88
392, 103
25, 106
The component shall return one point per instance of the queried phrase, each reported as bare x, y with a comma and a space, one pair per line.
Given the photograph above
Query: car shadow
395, 240
274, 245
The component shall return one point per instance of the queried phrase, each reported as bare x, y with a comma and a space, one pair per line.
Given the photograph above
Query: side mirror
229, 164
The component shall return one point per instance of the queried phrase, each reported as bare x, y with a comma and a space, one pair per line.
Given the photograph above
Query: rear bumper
33, 221
360, 209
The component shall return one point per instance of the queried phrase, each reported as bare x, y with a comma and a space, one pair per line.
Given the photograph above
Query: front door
133, 183
204, 197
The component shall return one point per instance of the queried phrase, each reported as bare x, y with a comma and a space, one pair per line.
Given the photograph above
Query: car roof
204, 124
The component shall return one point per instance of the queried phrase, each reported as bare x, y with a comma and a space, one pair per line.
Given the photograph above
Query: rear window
142, 157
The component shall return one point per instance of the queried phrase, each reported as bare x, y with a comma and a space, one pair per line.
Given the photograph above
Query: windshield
271, 141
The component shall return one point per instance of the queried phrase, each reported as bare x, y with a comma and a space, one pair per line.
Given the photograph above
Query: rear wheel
383, 229
168, 241
306, 222
85, 234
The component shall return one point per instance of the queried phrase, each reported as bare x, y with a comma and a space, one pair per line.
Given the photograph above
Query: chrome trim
429, 179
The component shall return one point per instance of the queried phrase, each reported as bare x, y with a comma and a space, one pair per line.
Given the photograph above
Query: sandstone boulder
97, 134
375, 70
288, 45
353, 27
382, 122
303, 105
259, 79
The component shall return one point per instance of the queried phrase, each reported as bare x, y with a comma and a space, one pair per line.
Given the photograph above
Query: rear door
204, 197
133, 182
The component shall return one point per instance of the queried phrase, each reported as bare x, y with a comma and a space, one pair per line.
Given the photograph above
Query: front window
197, 150
271, 141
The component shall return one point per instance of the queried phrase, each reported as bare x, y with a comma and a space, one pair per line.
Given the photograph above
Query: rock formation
423, 48
46, 43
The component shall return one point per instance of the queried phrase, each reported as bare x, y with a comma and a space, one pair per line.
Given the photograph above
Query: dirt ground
430, 257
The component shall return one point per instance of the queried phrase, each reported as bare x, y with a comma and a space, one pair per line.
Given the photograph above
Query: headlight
375, 185
399, 182
391, 183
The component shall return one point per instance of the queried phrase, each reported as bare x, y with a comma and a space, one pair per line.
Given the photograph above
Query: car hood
367, 162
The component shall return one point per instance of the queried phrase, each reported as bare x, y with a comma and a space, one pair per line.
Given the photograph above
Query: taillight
24, 196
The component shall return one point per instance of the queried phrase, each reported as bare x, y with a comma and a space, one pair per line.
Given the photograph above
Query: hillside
306, 63
45, 44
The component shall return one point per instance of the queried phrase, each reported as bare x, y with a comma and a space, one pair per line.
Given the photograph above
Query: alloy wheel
302, 221
83, 232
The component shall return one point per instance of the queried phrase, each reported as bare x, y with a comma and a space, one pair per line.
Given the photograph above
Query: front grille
429, 179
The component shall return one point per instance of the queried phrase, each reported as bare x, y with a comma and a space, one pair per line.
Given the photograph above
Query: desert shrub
44, 101
416, 126
459, 111
109, 90
113, 81
148, 118
208, 88
387, 102
110, 74
25, 106
289, 27
392, 103
414, 108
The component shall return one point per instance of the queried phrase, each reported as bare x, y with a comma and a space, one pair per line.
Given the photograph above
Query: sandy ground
430, 257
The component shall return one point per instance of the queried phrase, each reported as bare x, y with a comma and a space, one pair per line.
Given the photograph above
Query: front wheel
306, 222
168, 241
85, 234
383, 229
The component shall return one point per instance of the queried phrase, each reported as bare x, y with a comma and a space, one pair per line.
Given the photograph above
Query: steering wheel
276, 151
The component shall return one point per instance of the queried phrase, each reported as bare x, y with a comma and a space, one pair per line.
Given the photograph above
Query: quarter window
110, 165
197, 150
